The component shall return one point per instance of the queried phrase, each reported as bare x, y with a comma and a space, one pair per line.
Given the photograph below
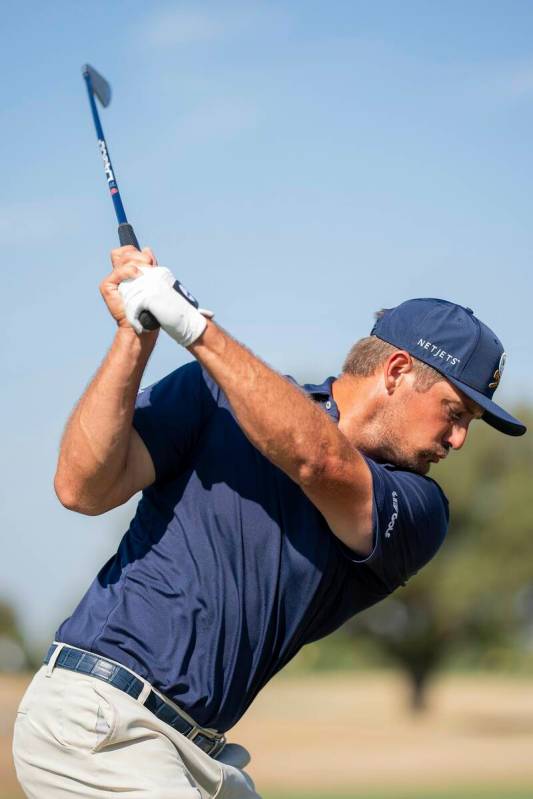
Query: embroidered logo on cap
437, 352
497, 376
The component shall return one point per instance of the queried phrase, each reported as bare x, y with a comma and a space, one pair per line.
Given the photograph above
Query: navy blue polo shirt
227, 568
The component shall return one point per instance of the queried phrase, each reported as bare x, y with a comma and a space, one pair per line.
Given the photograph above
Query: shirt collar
323, 393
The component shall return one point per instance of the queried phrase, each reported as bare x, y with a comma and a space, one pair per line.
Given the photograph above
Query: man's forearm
283, 423
95, 444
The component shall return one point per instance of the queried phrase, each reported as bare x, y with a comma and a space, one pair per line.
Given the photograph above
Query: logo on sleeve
394, 516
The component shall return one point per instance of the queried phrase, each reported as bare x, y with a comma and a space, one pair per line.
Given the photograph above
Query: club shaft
108, 167
126, 233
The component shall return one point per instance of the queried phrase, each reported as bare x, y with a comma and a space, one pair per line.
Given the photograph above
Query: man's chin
420, 464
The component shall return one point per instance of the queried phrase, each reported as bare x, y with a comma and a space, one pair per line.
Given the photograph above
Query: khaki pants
76, 736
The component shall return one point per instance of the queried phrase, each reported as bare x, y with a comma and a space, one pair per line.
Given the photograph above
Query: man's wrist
128, 340
209, 339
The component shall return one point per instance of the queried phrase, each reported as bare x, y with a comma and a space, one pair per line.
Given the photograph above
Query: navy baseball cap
457, 344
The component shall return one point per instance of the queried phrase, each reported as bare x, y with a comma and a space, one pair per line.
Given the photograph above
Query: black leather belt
103, 669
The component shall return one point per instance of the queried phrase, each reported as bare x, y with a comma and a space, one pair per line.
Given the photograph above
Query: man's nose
457, 436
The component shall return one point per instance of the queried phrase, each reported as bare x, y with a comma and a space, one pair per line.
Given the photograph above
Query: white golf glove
153, 291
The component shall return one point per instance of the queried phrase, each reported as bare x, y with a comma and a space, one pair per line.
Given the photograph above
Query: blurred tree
8, 621
13, 653
478, 591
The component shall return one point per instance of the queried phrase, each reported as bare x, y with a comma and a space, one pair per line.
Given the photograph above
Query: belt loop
143, 696
52, 661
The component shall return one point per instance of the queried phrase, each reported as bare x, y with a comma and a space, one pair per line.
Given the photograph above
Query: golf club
99, 87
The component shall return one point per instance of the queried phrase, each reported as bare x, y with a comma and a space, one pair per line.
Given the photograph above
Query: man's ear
397, 365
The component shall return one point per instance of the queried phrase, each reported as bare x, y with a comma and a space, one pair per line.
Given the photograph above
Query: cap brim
494, 415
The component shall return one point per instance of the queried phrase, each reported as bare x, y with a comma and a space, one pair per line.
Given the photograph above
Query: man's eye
455, 417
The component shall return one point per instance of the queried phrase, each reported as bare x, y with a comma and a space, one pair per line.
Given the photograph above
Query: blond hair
368, 354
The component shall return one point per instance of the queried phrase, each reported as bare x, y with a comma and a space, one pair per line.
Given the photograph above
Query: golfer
270, 514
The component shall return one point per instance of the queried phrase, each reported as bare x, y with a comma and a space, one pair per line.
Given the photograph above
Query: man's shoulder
418, 501
414, 480
411, 519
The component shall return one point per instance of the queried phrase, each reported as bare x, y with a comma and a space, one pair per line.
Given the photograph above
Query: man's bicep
138, 474
140, 469
344, 497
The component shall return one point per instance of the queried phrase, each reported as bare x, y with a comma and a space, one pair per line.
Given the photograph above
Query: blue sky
298, 165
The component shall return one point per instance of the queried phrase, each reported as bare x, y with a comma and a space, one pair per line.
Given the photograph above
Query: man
270, 515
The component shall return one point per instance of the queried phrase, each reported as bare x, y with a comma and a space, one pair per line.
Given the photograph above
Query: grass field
455, 794
350, 736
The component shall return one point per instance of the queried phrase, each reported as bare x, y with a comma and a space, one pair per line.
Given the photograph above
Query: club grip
126, 236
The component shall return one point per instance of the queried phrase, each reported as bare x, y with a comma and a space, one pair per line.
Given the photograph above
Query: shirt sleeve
410, 520
171, 414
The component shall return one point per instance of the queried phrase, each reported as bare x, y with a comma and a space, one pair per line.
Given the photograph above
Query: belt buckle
219, 745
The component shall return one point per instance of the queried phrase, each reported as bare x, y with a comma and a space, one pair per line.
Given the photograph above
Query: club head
99, 85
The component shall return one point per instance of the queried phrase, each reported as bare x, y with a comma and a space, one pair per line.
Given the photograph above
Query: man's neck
354, 397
